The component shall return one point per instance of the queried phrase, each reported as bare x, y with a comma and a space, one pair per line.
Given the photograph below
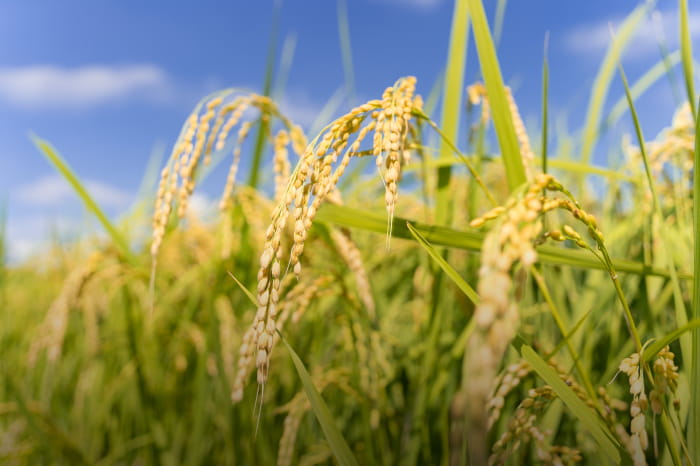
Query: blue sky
105, 81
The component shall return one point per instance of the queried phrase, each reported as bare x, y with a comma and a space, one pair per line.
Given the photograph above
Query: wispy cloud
46, 85
594, 38
52, 190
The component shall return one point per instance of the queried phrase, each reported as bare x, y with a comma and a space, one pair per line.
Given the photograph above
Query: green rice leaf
498, 24
337, 443
498, 101
586, 415
656, 72
444, 265
687, 54
345, 48
669, 338
451, 103
604, 77
251, 297
694, 420
264, 124
570, 334
289, 47
545, 93
90, 204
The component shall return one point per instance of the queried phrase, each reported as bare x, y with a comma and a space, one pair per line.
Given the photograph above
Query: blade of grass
346, 49
694, 422
669, 338
64, 170
444, 265
149, 180
545, 93
578, 408
567, 336
251, 297
264, 123
337, 443
289, 47
641, 86
604, 77
687, 54
327, 111
498, 101
498, 24
451, 103
434, 95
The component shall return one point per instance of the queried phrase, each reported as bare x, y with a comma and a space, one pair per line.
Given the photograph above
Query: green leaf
444, 265
641, 86
586, 415
694, 421
337, 443
498, 25
345, 48
687, 58
249, 294
64, 169
451, 102
604, 77
667, 339
570, 334
264, 124
498, 101
545, 93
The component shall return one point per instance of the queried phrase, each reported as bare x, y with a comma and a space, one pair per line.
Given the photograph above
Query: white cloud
53, 190
30, 234
203, 207
40, 86
595, 37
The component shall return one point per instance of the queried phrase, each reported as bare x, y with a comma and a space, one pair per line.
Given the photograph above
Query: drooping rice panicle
314, 179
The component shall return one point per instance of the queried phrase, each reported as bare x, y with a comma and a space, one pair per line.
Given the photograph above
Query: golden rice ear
314, 179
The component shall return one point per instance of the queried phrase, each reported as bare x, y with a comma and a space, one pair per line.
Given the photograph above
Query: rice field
376, 293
